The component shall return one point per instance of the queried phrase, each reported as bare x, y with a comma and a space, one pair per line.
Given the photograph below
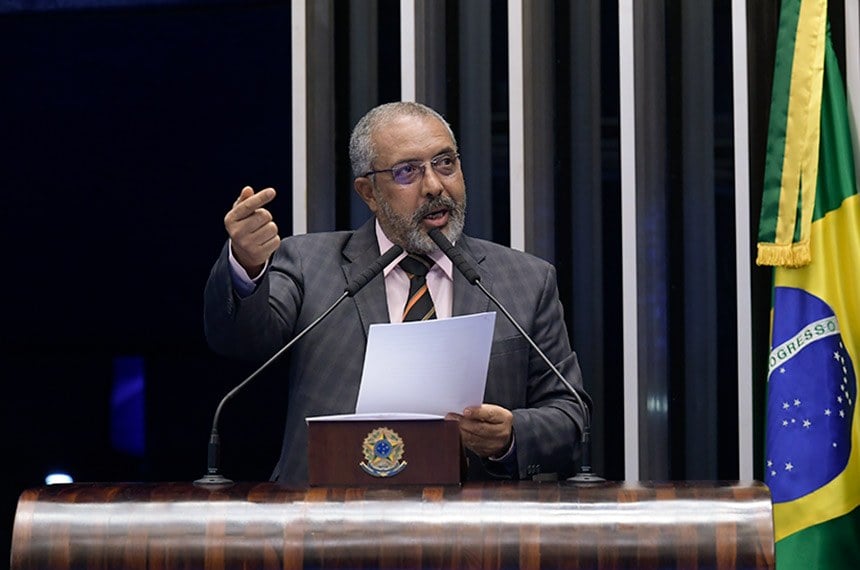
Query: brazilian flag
810, 232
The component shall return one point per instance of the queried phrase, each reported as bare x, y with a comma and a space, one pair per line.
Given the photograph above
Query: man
264, 290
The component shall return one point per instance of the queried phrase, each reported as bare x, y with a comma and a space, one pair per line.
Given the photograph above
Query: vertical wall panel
363, 82
299, 114
629, 224
430, 43
743, 258
584, 183
313, 116
652, 239
475, 125
321, 116
699, 239
538, 128
407, 50
516, 119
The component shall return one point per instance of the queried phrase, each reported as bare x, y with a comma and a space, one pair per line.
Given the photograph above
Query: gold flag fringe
784, 255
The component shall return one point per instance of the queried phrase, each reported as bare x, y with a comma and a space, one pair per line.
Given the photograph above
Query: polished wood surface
505, 525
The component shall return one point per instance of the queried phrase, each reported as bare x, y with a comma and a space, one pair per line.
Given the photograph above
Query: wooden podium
524, 525
414, 452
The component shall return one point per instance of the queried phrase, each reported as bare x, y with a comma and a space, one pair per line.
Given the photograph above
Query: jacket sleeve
256, 326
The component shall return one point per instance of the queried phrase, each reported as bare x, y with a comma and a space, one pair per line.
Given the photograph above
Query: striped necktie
419, 305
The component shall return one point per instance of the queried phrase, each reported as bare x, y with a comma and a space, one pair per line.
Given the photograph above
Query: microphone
213, 459
463, 266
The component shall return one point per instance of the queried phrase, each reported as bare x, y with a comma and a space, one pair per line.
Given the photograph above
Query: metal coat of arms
383, 453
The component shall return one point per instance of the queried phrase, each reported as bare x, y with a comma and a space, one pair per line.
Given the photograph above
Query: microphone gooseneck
373, 270
456, 256
463, 266
213, 460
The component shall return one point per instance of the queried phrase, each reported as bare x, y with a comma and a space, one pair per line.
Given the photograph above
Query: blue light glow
127, 406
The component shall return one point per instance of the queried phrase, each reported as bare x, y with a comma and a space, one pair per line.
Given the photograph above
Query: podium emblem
383, 453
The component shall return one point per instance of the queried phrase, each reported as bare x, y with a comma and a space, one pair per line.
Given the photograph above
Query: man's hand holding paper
486, 429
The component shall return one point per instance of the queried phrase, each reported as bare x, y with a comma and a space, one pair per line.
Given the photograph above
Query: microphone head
439, 239
373, 269
455, 255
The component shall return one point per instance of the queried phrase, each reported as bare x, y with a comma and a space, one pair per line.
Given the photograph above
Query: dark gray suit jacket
309, 272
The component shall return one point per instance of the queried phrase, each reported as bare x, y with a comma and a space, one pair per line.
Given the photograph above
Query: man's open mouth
436, 214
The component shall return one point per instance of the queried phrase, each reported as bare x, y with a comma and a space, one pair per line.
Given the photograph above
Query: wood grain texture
500, 525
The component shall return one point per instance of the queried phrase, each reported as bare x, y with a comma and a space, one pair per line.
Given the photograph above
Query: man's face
407, 212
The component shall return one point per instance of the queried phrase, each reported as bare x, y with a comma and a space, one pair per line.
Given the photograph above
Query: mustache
436, 203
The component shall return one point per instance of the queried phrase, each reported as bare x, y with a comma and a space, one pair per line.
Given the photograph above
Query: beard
409, 233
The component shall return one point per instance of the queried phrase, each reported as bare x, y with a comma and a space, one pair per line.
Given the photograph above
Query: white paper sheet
390, 416
427, 367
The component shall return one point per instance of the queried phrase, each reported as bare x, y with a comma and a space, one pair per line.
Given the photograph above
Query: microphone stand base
585, 478
213, 480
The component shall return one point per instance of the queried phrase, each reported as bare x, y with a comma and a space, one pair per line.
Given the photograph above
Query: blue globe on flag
812, 392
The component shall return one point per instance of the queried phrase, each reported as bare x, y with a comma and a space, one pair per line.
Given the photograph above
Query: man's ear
364, 188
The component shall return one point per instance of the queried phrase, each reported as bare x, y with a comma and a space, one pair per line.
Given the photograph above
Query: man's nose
431, 182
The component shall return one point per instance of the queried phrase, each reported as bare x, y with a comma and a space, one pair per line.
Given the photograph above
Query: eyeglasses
406, 173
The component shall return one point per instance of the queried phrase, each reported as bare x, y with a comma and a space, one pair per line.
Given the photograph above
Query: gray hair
361, 151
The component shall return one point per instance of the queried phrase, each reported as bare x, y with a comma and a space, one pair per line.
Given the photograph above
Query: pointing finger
248, 202
246, 193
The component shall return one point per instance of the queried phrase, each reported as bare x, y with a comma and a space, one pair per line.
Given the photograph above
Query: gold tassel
789, 255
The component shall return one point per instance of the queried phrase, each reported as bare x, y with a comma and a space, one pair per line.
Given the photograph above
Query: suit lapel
468, 299
360, 251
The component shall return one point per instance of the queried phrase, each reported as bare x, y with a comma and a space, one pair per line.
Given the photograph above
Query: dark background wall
125, 135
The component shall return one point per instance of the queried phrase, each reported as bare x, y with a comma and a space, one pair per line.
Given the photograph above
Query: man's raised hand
253, 233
